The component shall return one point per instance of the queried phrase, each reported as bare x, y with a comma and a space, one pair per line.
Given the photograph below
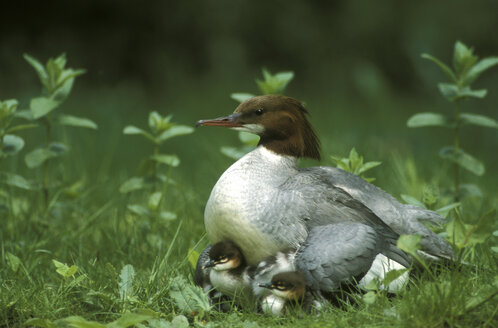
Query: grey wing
201, 275
322, 203
337, 253
402, 218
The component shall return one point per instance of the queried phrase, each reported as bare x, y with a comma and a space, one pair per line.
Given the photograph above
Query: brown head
289, 285
225, 255
280, 121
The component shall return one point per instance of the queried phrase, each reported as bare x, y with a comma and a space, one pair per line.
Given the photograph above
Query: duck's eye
222, 259
280, 286
259, 111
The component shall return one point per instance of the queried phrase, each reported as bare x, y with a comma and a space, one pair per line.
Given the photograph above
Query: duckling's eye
280, 286
259, 111
222, 259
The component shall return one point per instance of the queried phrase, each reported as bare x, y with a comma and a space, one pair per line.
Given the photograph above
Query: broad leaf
241, 97
21, 127
12, 144
479, 120
457, 231
189, 298
139, 210
16, 181
167, 216
154, 200
428, 119
39, 68
235, 153
467, 92
469, 189
479, 68
367, 166
463, 159
409, 243
193, 256
463, 59
370, 298
7, 108
447, 71
174, 131
392, 275
170, 160
64, 270
248, 139
42, 106
38, 156
129, 319
78, 322
412, 201
125, 283
130, 129
443, 211
181, 321
42, 323
80, 122
13, 261
132, 184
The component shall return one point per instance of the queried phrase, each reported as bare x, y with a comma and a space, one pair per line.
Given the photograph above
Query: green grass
95, 232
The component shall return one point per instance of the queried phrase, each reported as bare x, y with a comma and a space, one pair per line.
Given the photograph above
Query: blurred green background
357, 66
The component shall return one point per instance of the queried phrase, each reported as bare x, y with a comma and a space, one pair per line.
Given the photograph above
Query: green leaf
392, 275
370, 298
443, 211
139, 210
180, 321
241, 97
42, 106
248, 139
154, 200
367, 166
79, 322
58, 148
479, 68
412, 201
39, 68
193, 256
18, 181
170, 160
12, 144
494, 249
155, 120
479, 120
463, 159
21, 127
469, 189
467, 92
125, 283
446, 70
463, 59
64, 270
42, 323
167, 216
132, 184
7, 108
481, 231
409, 243
457, 231
428, 119
235, 153
13, 261
273, 84
38, 156
130, 129
129, 319
174, 131
189, 298
80, 122
24, 114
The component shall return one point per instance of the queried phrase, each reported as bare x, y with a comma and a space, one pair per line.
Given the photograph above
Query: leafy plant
354, 164
466, 69
11, 144
271, 84
189, 298
57, 82
160, 129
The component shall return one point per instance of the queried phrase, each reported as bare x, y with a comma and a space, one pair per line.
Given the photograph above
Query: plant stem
154, 172
456, 149
45, 164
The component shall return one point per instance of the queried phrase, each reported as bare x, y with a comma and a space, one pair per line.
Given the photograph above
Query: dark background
357, 66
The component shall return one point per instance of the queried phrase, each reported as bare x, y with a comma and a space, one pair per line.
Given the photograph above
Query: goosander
266, 204
223, 267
